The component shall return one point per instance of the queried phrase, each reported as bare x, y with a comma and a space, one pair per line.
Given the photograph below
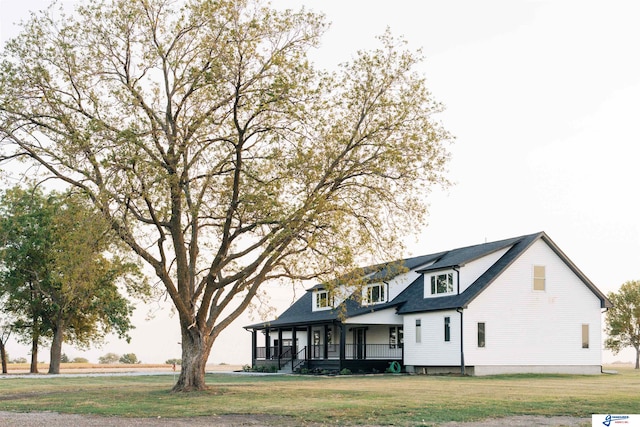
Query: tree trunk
34, 355
56, 349
637, 357
3, 356
195, 353
35, 338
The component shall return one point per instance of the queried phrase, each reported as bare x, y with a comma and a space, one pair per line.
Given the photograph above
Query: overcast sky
543, 98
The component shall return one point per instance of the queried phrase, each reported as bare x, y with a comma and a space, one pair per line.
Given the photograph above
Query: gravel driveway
53, 419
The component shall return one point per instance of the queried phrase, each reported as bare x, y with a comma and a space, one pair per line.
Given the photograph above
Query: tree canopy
217, 151
623, 319
58, 278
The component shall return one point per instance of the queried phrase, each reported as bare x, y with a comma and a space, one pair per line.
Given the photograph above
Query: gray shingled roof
412, 300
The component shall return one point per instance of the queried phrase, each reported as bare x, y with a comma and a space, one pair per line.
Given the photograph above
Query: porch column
267, 344
308, 355
294, 345
254, 345
343, 341
326, 347
279, 342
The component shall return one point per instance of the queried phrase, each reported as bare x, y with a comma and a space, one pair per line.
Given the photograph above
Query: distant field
21, 368
379, 399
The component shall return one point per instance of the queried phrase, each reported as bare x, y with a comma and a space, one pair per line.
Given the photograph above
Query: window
538, 278
481, 334
447, 329
418, 330
442, 284
322, 299
395, 337
375, 293
585, 336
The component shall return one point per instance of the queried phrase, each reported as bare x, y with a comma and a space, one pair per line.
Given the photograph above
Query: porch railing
299, 359
274, 352
372, 351
352, 351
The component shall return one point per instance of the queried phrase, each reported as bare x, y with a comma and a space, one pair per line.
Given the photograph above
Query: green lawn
385, 399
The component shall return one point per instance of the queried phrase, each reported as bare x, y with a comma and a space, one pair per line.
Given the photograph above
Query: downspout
459, 310
462, 368
601, 313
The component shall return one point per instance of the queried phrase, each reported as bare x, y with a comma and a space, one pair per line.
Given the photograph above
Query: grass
388, 399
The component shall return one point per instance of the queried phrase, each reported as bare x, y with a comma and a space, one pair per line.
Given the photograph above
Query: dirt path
52, 419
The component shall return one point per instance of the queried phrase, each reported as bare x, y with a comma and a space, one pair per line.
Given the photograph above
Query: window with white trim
375, 293
323, 299
481, 334
447, 329
442, 283
396, 338
585, 335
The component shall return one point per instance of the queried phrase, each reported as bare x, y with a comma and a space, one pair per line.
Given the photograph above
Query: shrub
129, 359
345, 371
172, 361
79, 360
108, 359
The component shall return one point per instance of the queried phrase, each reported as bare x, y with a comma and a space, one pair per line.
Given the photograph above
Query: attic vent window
442, 284
539, 278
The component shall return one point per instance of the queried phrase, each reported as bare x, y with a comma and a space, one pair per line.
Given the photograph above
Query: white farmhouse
513, 306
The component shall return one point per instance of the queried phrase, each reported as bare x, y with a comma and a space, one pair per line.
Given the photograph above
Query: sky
543, 98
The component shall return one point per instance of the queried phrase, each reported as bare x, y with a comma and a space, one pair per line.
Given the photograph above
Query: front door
360, 341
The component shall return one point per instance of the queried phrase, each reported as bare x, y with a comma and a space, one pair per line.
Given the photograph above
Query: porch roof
301, 313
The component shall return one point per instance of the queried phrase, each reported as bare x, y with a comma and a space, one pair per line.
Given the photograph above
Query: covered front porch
330, 346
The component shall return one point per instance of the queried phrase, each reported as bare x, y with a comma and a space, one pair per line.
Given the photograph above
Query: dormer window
442, 283
375, 293
323, 299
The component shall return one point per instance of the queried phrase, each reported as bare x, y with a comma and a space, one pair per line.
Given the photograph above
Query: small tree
64, 358
80, 360
62, 271
623, 319
129, 359
109, 359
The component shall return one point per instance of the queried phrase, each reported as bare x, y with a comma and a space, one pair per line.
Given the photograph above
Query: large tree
60, 268
217, 151
623, 319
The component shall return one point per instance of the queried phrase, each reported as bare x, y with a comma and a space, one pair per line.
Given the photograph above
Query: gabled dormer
375, 293
322, 299
440, 283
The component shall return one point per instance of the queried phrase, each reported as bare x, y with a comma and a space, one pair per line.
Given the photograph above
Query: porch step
286, 369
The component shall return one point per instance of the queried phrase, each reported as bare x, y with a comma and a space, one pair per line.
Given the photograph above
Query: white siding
382, 317
536, 328
432, 350
470, 272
